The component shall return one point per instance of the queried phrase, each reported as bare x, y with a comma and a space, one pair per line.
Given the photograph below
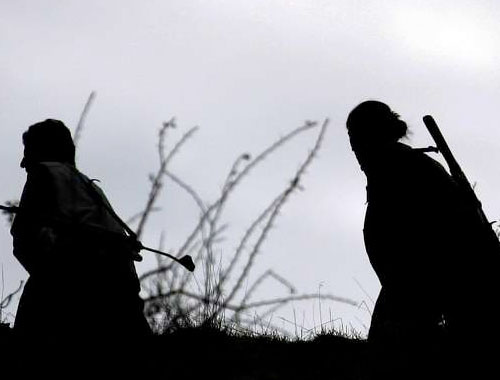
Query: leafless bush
170, 299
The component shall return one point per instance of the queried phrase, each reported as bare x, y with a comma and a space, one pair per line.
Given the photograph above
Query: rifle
186, 261
462, 182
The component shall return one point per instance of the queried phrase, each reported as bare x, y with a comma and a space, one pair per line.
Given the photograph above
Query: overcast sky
247, 72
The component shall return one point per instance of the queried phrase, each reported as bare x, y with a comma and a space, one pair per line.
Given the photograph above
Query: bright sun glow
452, 36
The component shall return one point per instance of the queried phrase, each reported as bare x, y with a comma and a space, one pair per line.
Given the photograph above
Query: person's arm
33, 234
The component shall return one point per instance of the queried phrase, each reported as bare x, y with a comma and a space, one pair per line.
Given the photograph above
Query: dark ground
197, 354
209, 353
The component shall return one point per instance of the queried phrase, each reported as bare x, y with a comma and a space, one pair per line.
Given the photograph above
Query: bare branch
188, 189
156, 182
139, 215
284, 197
301, 297
7, 300
83, 116
244, 240
269, 273
232, 184
268, 302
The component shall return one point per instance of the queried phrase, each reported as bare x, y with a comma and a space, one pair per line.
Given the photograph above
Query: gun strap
99, 198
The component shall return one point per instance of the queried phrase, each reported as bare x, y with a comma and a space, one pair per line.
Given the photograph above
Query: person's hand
135, 247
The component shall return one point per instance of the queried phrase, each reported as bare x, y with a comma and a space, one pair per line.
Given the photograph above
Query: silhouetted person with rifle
82, 295
425, 243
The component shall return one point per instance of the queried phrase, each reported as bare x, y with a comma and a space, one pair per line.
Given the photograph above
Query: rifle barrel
443, 147
455, 169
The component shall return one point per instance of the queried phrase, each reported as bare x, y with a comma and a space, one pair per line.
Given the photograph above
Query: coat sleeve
32, 230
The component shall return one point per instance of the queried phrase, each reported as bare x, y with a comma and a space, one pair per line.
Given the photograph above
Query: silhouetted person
422, 240
82, 288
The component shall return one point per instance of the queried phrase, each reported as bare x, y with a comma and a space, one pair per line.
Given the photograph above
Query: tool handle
185, 261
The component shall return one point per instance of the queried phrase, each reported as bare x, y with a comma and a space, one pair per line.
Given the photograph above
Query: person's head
49, 140
371, 126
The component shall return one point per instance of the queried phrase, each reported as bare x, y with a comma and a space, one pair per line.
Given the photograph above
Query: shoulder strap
98, 197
